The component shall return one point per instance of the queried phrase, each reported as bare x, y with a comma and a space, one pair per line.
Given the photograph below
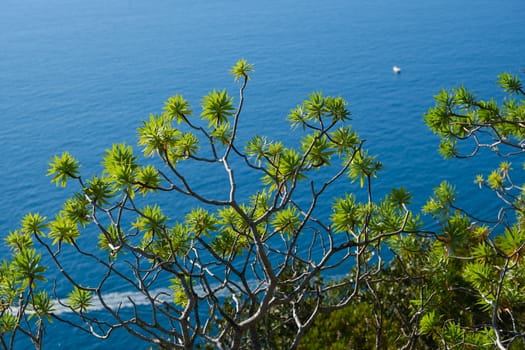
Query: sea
82, 75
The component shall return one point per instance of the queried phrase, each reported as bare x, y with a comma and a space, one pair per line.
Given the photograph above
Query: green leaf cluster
62, 168
459, 115
449, 279
80, 299
23, 305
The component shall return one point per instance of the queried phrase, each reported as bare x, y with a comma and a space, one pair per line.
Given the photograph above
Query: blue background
81, 75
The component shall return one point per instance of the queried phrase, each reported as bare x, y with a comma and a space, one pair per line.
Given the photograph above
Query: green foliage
33, 224
439, 205
42, 306
364, 167
158, 135
180, 290
390, 215
349, 328
218, 246
284, 168
429, 323
99, 190
460, 282
176, 108
256, 261
319, 109
27, 268
150, 223
217, 106
448, 148
62, 168
512, 243
111, 239
242, 70
400, 196
8, 322
459, 115
148, 179
511, 83
120, 165
200, 222
228, 243
223, 133
23, 307
77, 210
344, 139
80, 299
287, 221
318, 149
17, 240
186, 147
63, 229
489, 253
347, 214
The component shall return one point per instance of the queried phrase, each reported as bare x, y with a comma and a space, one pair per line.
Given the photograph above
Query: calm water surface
78, 76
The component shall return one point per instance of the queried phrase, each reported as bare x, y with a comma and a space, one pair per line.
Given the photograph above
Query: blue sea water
80, 75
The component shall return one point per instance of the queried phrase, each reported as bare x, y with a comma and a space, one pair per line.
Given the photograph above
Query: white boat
396, 69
